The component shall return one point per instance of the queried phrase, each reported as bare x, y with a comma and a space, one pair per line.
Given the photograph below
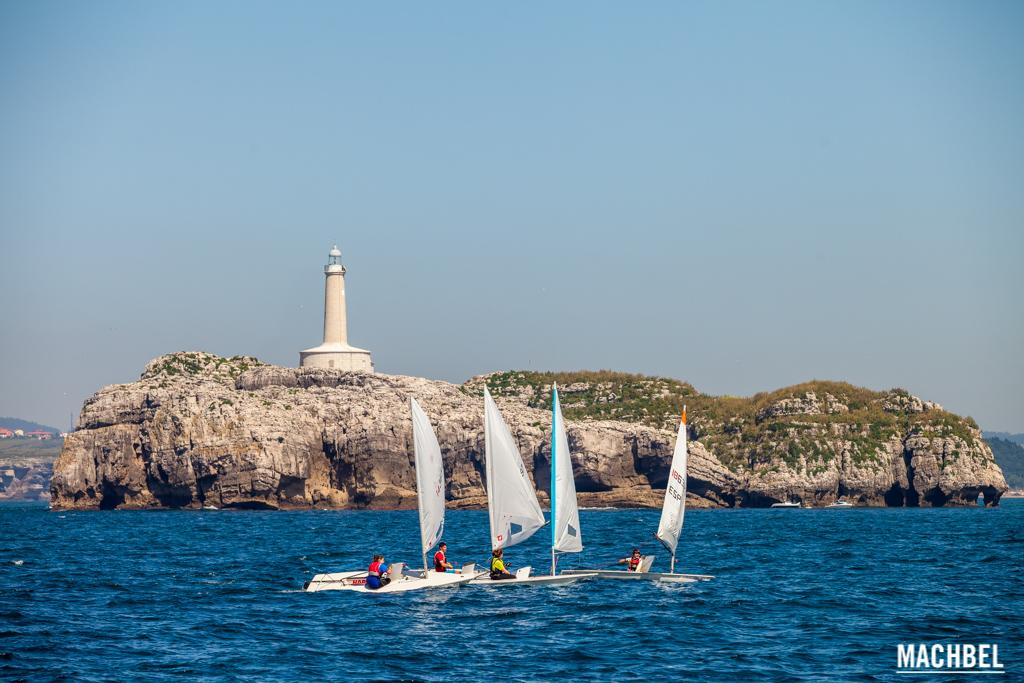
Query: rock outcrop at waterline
197, 430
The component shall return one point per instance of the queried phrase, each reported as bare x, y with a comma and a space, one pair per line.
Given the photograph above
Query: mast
554, 471
488, 469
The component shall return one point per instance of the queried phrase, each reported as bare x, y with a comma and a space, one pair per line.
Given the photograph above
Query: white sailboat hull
356, 582
546, 580
523, 578
624, 575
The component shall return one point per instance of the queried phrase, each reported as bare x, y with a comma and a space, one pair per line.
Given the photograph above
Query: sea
798, 595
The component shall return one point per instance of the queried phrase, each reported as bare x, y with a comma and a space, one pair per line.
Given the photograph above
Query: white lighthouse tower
335, 351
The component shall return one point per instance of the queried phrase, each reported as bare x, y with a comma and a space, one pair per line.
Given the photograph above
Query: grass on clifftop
195, 363
741, 430
595, 395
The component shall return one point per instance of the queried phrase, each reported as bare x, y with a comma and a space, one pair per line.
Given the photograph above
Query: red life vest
439, 560
374, 569
634, 562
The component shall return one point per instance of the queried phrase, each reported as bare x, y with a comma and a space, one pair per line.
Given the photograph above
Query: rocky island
198, 430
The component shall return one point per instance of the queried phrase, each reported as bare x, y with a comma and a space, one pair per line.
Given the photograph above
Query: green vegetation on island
199, 363
806, 425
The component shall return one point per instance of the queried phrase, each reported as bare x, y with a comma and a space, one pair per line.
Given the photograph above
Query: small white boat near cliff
430, 494
839, 505
513, 510
787, 505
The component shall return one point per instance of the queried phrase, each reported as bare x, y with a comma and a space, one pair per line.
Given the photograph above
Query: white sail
429, 478
675, 493
515, 514
565, 515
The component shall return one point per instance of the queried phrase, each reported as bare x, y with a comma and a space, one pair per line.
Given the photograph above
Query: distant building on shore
335, 351
5, 433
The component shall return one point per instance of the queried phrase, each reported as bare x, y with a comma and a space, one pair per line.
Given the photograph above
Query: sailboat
512, 505
669, 527
430, 494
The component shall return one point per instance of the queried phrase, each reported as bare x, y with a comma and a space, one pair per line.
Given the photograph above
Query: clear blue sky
744, 195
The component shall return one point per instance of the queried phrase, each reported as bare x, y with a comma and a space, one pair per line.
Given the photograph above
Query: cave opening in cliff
585, 483
112, 495
291, 487
250, 505
894, 497
755, 499
991, 495
912, 498
936, 498
170, 496
542, 470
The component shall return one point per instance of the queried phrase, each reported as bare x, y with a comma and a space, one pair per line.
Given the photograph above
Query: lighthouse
335, 352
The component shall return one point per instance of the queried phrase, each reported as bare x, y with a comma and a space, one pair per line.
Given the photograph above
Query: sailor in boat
441, 563
633, 561
378, 575
498, 570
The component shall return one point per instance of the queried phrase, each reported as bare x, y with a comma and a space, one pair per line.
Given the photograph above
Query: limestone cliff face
200, 430
916, 455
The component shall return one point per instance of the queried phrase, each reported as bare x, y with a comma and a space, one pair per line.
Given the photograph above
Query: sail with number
515, 514
565, 515
671, 523
429, 478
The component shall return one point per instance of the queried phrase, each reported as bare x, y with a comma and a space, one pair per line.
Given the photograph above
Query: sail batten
429, 478
565, 515
512, 505
674, 508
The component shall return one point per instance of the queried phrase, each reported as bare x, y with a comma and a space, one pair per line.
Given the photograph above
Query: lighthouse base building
335, 351
338, 356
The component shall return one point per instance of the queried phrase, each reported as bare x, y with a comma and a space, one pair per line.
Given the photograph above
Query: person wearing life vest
498, 570
633, 561
441, 563
378, 575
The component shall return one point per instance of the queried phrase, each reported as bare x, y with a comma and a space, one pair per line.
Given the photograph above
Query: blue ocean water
799, 595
